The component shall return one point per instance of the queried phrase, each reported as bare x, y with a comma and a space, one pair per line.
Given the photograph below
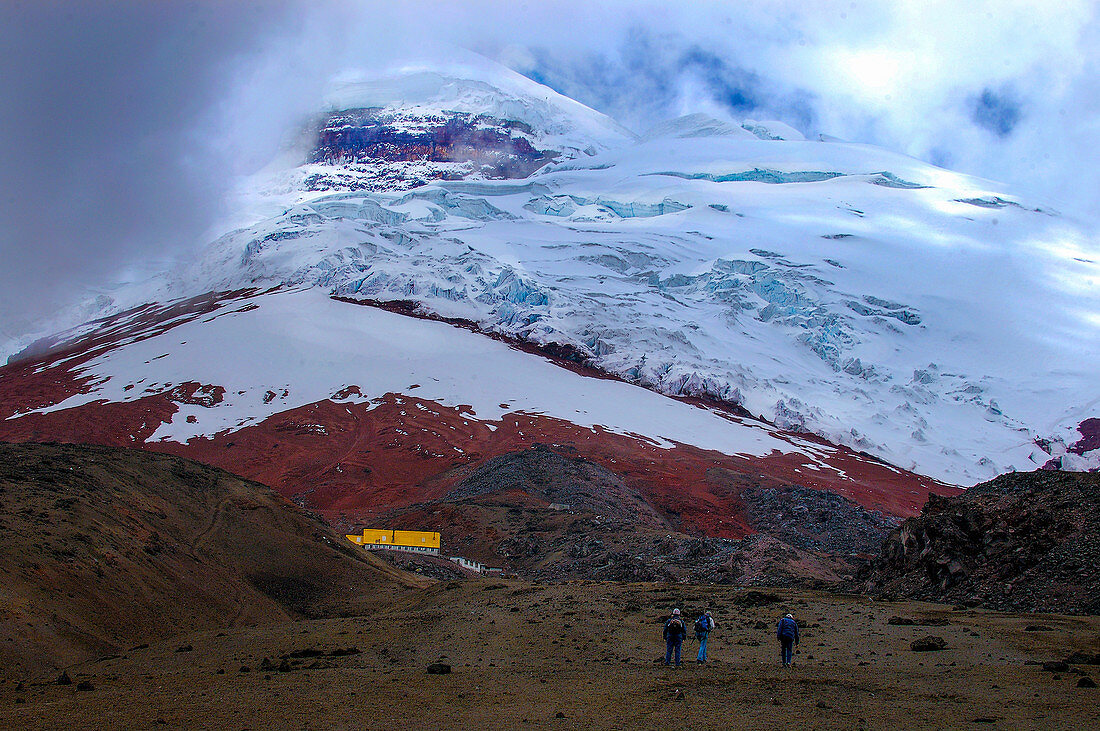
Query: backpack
675, 626
702, 626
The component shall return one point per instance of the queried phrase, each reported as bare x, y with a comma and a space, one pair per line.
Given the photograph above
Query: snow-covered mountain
934, 320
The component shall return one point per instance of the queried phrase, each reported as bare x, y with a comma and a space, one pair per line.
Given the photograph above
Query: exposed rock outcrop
1024, 541
379, 143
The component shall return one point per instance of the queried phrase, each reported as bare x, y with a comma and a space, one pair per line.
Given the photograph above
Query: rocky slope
1024, 541
548, 513
106, 548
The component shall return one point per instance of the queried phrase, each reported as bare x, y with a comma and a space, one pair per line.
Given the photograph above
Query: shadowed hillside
105, 548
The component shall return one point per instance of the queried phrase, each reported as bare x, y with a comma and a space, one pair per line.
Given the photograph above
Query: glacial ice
772, 130
758, 175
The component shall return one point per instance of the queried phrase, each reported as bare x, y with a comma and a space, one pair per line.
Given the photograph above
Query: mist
123, 126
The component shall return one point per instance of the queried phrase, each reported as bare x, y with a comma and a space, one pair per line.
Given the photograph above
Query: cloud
998, 112
110, 134
1003, 90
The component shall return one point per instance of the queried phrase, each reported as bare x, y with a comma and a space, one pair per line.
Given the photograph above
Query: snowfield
273, 357
932, 319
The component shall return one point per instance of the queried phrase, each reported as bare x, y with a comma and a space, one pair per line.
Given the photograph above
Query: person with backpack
787, 634
675, 633
703, 626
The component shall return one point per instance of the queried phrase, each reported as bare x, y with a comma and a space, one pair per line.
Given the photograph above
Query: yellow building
416, 541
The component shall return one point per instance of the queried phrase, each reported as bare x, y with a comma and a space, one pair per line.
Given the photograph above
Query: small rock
1086, 682
678, 695
184, 648
928, 644
64, 679
902, 621
559, 714
85, 685
1038, 628
245, 669
439, 668
1055, 666
19, 687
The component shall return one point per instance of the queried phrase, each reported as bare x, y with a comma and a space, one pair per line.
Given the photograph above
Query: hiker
703, 626
787, 633
675, 633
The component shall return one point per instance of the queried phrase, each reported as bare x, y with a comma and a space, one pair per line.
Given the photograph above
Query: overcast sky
123, 124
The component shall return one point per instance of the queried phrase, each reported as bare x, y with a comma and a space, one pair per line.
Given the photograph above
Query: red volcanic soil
43, 374
1089, 429
1090, 436
355, 461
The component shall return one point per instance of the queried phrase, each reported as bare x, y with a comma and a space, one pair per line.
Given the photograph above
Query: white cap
675, 612
789, 617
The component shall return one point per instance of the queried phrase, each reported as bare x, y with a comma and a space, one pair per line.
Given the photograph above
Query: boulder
928, 644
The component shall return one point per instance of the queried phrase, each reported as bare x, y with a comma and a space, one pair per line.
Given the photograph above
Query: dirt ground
586, 655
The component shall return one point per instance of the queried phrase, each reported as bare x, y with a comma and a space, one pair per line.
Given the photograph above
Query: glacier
930, 318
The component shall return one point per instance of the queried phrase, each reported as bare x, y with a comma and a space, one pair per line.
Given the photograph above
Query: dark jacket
706, 622
787, 629
675, 629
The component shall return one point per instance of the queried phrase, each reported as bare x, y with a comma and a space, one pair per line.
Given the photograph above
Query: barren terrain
584, 655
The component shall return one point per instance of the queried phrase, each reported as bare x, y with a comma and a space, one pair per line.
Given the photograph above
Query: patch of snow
306, 338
